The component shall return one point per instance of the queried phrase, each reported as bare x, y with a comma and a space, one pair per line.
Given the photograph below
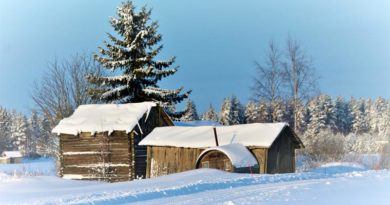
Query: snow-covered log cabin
10, 157
250, 148
100, 142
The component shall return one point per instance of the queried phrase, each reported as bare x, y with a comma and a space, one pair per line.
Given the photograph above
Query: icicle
147, 113
140, 129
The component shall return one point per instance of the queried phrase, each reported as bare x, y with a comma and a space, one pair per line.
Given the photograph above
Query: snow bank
256, 134
238, 154
36, 167
339, 167
103, 118
204, 186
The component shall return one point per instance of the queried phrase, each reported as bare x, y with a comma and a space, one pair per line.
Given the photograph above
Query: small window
205, 164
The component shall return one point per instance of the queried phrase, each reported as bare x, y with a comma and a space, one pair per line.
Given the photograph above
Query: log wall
96, 157
114, 157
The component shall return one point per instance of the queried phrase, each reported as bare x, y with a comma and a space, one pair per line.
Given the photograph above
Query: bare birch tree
64, 87
300, 76
268, 84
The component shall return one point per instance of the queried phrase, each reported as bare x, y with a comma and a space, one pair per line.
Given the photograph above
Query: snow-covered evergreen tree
34, 143
238, 113
48, 142
379, 116
232, 112
19, 132
343, 117
191, 113
132, 53
264, 112
210, 114
322, 116
359, 121
225, 113
278, 111
251, 112
302, 116
5, 131
386, 128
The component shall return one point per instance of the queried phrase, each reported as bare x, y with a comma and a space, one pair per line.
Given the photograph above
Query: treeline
30, 135
364, 122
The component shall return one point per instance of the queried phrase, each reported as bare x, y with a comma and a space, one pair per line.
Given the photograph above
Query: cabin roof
11, 154
104, 118
197, 123
238, 154
256, 134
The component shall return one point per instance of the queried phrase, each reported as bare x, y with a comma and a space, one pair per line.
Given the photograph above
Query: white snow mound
238, 154
256, 134
339, 167
103, 118
12, 154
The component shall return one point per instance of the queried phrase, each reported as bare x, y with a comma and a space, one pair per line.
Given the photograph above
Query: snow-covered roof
256, 134
197, 123
104, 118
12, 154
238, 154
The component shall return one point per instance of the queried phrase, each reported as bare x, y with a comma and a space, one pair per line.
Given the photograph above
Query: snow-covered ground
37, 167
336, 183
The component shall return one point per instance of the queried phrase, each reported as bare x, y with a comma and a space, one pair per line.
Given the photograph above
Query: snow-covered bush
324, 147
363, 143
384, 162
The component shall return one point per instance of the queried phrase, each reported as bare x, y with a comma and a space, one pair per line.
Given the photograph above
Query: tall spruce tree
191, 113
232, 112
5, 131
343, 116
359, 121
210, 114
238, 111
19, 132
133, 52
226, 113
251, 112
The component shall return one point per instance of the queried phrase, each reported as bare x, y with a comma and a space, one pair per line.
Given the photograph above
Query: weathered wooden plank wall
167, 160
281, 155
261, 156
114, 157
156, 118
96, 157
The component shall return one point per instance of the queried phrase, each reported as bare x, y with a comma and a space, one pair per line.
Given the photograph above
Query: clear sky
215, 42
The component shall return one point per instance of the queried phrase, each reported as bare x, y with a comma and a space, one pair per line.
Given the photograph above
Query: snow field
339, 184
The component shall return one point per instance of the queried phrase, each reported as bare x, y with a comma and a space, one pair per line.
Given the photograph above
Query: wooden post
215, 135
61, 172
148, 160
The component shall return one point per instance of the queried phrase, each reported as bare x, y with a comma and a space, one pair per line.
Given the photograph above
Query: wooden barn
10, 157
230, 148
100, 142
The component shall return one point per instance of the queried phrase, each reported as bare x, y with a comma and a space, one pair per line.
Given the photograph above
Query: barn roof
238, 154
104, 118
197, 123
12, 154
256, 134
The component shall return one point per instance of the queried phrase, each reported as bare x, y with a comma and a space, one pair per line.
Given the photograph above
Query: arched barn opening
230, 158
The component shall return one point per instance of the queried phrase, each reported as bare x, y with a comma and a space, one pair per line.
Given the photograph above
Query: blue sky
215, 42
